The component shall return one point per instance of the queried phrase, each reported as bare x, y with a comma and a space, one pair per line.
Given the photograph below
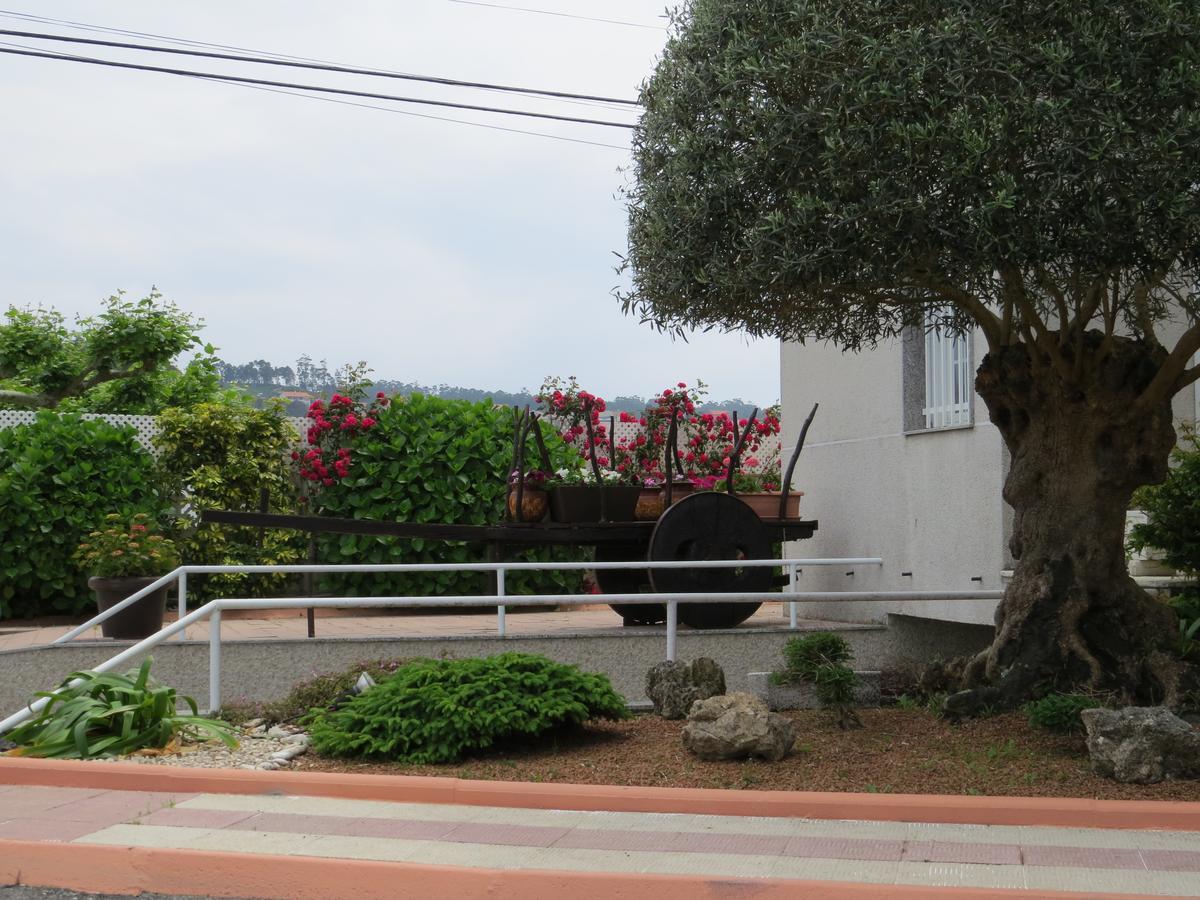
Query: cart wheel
628, 581
711, 526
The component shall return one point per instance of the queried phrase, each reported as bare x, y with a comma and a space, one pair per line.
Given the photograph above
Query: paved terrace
189, 835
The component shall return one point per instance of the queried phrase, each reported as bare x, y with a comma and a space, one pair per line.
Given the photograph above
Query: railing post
500, 623
181, 585
214, 662
792, 588
672, 628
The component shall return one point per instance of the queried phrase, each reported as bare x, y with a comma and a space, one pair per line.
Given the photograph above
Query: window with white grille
948, 386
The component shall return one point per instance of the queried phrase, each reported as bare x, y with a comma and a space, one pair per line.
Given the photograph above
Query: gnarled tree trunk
1072, 617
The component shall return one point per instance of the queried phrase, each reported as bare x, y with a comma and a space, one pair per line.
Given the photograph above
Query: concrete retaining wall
266, 670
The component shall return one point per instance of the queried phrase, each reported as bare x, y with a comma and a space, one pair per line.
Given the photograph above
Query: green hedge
428, 459
222, 456
61, 476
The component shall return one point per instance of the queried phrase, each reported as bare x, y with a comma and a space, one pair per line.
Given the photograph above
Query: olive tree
823, 170
117, 361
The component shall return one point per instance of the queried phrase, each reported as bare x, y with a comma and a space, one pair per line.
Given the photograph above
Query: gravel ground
259, 747
908, 751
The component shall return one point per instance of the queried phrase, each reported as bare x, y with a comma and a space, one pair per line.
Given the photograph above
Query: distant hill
307, 380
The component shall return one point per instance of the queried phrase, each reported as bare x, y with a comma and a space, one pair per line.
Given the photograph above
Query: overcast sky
438, 252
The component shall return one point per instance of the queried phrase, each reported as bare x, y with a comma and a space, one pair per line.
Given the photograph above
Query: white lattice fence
147, 426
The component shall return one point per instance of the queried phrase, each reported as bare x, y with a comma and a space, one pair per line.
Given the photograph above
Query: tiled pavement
586, 619
1156, 863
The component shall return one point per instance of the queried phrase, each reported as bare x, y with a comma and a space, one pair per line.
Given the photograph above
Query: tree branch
1167, 382
1013, 286
1192, 374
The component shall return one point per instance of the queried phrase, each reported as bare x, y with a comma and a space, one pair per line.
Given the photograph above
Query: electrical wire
237, 79
547, 12
41, 36
106, 29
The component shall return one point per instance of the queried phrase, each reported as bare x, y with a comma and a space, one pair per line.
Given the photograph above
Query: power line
106, 29
237, 79
405, 112
389, 109
324, 67
546, 12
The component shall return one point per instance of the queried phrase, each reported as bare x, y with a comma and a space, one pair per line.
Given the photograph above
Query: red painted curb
133, 870
1050, 811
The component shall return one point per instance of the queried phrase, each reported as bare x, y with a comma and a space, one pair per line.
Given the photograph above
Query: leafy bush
1173, 509
434, 711
222, 456
1060, 712
110, 715
426, 459
61, 476
820, 659
317, 692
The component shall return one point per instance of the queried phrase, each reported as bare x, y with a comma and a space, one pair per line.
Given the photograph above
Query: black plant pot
584, 503
141, 619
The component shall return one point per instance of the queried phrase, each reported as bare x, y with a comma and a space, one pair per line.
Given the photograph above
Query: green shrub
1173, 509
1060, 712
434, 711
61, 475
222, 456
428, 459
820, 658
110, 715
317, 692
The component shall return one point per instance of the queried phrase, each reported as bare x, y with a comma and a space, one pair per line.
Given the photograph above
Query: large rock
736, 726
1141, 744
674, 686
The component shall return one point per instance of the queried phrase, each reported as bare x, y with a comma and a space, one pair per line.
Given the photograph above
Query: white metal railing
212, 610
180, 574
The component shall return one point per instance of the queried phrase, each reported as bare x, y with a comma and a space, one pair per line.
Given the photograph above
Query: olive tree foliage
117, 361
823, 170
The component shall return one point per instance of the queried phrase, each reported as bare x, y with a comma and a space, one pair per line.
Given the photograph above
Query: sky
438, 252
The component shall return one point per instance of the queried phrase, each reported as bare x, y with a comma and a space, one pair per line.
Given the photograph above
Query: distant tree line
264, 380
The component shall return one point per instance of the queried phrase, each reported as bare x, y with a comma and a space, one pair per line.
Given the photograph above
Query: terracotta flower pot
766, 503
649, 504
142, 619
535, 502
679, 490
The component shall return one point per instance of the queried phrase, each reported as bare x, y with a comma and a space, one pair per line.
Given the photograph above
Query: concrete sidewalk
237, 838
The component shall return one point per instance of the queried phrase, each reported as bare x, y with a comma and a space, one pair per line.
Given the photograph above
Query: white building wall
928, 502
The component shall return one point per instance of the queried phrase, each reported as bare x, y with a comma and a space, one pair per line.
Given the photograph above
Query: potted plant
535, 499
123, 557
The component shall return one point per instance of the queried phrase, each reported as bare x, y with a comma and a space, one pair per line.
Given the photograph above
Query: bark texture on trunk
1072, 616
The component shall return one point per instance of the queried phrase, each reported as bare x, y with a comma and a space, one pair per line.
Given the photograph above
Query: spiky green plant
110, 715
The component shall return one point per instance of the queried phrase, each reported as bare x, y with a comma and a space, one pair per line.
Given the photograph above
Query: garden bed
907, 751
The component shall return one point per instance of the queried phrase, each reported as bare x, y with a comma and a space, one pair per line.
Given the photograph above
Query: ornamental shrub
111, 715
820, 659
224, 456
429, 459
1060, 712
1173, 509
61, 476
435, 711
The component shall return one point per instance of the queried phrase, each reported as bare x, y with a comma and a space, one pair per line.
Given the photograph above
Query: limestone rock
736, 726
1141, 744
674, 686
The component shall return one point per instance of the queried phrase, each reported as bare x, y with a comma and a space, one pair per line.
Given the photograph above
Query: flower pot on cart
766, 503
139, 620
587, 502
535, 503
